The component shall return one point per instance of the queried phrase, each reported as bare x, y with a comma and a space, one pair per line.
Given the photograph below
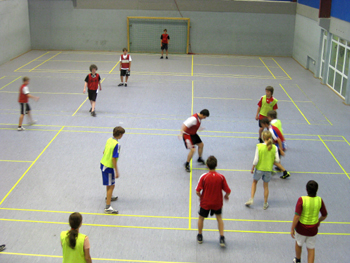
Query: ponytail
269, 144
75, 220
267, 136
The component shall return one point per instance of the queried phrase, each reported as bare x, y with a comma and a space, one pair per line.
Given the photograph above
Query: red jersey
125, 61
165, 38
192, 124
212, 184
93, 81
268, 100
23, 91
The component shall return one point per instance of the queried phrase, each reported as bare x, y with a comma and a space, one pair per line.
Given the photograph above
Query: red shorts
191, 140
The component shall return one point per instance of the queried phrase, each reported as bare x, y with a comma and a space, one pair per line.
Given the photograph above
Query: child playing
92, 81
75, 246
164, 42
265, 104
124, 67
272, 117
279, 141
209, 190
266, 155
23, 97
109, 165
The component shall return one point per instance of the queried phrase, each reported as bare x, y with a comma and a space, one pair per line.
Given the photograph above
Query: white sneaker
110, 210
21, 129
32, 122
250, 202
266, 205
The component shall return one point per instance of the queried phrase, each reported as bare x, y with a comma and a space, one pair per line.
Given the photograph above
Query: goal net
144, 33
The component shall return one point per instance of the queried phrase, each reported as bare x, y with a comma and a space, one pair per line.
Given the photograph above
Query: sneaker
32, 122
114, 198
200, 238
93, 114
200, 160
161, 57
110, 210
126, 85
250, 202
2, 247
187, 168
260, 140
90, 110
166, 57
120, 84
222, 241
21, 129
266, 205
285, 175
295, 260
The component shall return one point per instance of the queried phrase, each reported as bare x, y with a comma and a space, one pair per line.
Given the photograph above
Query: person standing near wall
124, 67
164, 42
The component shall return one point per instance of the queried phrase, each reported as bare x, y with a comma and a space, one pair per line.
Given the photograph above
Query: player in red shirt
190, 137
209, 190
92, 81
124, 67
164, 42
23, 97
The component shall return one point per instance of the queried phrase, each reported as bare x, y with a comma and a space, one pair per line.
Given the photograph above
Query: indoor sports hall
222, 55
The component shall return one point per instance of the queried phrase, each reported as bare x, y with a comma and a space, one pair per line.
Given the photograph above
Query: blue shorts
108, 176
266, 176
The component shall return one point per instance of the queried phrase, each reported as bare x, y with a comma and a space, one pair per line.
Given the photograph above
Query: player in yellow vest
306, 221
75, 246
266, 155
109, 167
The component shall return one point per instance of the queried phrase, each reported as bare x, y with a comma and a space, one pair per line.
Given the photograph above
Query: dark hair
212, 162
125, 49
205, 112
265, 121
270, 88
165, 30
75, 220
272, 114
93, 66
311, 188
25, 79
118, 130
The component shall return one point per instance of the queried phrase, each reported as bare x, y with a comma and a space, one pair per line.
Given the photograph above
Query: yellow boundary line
334, 157
2, 77
346, 140
240, 170
113, 68
190, 190
45, 61
16, 161
192, 67
97, 259
314, 104
31, 61
267, 68
295, 105
281, 68
210, 98
10, 82
31, 165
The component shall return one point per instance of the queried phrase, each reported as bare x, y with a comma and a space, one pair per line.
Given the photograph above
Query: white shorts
309, 241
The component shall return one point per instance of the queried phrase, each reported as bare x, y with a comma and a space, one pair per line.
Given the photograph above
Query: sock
297, 260
108, 206
284, 172
19, 126
187, 163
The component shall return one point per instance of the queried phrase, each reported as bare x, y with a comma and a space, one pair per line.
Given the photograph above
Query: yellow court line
45, 61
192, 97
190, 199
43, 92
267, 68
10, 82
346, 140
31, 61
295, 105
192, 67
2, 77
334, 157
16, 161
97, 259
282, 69
113, 68
13, 187
314, 104
84, 101
210, 98
223, 65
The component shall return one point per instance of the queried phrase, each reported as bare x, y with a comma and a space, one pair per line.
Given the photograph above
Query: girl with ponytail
266, 155
75, 246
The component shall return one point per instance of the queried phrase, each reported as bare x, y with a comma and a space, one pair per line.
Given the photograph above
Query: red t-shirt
307, 230
211, 184
23, 94
268, 100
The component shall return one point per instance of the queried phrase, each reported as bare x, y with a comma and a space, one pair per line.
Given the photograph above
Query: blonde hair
267, 136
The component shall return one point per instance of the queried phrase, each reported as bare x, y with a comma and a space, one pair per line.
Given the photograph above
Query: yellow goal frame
163, 18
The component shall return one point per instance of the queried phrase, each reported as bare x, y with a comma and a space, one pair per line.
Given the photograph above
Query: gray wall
14, 29
58, 25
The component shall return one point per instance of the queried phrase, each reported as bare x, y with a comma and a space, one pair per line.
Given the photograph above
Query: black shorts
164, 46
125, 72
191, 140
92, 94
27, 108
203, 212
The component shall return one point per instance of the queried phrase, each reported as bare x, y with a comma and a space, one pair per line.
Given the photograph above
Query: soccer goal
144, 33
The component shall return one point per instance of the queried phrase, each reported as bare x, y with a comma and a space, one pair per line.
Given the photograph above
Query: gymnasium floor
52, 168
